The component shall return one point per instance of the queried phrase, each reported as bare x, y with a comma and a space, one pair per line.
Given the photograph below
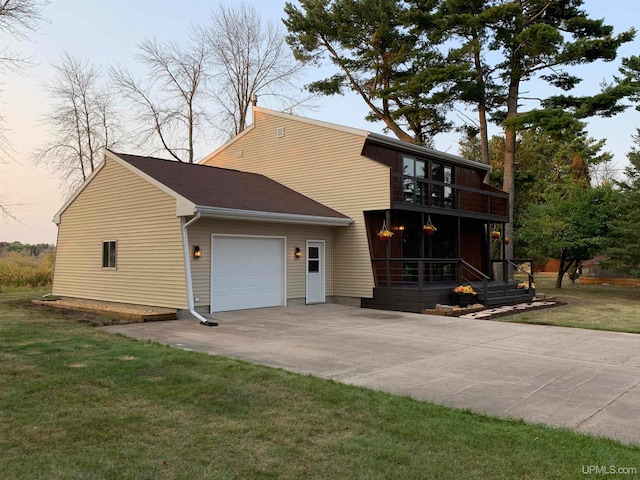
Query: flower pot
464, 299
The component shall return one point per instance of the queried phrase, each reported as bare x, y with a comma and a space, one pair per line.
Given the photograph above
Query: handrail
522, 270
485, 281
506, 262
474, 269
454, 185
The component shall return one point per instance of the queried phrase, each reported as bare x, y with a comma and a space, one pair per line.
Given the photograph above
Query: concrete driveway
581, 379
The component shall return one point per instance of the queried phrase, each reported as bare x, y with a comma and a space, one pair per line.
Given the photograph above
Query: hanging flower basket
429, 229
495, 235
385, 234
507, 241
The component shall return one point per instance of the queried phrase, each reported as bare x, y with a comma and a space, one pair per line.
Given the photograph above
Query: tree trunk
560, 273
509, 179
482, 104
565, 265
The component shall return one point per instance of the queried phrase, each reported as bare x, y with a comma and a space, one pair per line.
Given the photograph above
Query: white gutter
256, 216
187, 270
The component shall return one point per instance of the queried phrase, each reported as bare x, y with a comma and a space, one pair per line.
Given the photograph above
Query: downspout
187, 269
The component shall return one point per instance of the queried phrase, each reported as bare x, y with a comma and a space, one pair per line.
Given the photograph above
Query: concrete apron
581, 379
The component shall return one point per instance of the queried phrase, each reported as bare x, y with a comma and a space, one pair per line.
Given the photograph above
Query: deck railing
418, 272
425, 192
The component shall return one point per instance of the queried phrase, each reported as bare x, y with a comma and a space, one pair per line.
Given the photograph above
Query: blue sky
107, 32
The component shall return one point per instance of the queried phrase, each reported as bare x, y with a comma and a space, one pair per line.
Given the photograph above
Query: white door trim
322, 270
284, 266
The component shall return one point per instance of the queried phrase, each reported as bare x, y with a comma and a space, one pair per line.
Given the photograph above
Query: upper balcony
432, 185
417, 193
426, 180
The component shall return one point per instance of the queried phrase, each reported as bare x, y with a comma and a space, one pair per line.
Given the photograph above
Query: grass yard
597, 307
78, 403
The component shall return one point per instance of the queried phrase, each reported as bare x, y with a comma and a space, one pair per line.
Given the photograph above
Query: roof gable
222, 188
366, 135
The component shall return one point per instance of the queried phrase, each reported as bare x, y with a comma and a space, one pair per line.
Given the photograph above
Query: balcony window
426, 183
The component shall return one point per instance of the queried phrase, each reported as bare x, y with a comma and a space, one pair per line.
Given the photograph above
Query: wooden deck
135, 313
407, 298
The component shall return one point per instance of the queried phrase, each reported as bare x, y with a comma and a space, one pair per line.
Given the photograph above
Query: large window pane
437, 195
420, 169
437, 172
448, 175
409, 191
422, 193
449, 200
408, 167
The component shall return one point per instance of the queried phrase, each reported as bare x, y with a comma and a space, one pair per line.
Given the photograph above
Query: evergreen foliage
624, 250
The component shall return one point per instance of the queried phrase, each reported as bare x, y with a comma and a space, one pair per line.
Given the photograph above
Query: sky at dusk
107, 32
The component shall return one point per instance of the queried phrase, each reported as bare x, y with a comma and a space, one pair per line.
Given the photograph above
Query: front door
315, 271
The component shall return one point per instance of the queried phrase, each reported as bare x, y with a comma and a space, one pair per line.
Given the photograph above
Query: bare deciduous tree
17, 19
249, 58
83, 121
168, 102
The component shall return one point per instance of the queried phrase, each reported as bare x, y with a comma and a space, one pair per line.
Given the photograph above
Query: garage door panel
247, 272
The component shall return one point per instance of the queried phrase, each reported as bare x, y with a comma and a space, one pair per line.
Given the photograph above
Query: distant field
18, 270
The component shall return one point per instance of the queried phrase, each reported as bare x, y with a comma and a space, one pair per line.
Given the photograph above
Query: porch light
401, 228
298, 253
197, 253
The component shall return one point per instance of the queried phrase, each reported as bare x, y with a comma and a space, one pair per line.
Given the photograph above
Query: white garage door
246, 272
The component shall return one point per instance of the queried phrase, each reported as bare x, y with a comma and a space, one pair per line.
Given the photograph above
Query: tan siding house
292, 210
117, 205
322, 161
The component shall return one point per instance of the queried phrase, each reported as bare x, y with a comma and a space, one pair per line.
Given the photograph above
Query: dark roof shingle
208, 186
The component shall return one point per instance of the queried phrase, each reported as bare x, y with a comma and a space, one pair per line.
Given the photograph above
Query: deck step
414, 300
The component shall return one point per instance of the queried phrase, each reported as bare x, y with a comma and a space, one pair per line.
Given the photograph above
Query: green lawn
596, 307
78, 403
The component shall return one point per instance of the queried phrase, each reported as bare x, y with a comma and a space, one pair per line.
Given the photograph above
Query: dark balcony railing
430, 193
